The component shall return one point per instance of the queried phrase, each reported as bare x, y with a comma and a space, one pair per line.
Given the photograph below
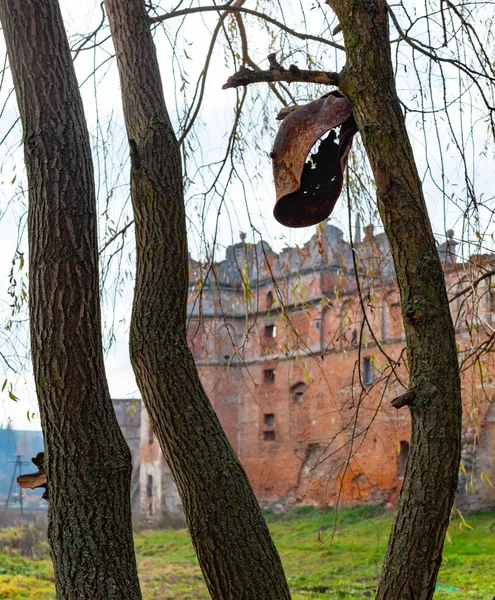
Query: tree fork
86, 461
415, 547
230, 536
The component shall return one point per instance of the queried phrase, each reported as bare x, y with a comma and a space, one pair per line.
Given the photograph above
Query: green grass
322, 558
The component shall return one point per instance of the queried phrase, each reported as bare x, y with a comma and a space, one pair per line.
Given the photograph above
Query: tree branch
115, 236
293, 74
404, 400
472, 285
255, 13
247, 60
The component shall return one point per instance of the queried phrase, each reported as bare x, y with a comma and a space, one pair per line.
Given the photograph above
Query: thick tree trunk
415, 548
87, 461
231, 539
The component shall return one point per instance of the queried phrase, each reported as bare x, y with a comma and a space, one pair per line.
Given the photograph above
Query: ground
323, 559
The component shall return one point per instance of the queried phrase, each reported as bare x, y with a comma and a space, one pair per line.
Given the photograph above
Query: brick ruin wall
300, 384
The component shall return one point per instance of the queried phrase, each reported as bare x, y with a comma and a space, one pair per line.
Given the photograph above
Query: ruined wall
159, 501
301, 368
303, 387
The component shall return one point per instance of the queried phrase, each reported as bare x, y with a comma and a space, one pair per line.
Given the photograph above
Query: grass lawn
322, 559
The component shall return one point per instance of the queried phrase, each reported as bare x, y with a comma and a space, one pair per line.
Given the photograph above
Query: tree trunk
87, 461
415, 547
230, 536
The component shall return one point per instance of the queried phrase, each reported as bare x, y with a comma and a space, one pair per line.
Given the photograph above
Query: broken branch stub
307, 191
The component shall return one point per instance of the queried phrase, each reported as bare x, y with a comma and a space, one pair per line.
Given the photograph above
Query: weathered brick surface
299, 381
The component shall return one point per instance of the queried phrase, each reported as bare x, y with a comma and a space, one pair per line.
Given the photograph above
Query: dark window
149, 486
297, 391
269, 299
368, 373
270, 331
150, 433
402, 458
269, 375
490, 305
269, 420
268, 436
354, 337
318, 324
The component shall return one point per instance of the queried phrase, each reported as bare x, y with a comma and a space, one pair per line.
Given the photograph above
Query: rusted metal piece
35, 480
307, 191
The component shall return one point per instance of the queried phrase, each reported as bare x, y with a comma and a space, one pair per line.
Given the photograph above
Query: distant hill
26, 443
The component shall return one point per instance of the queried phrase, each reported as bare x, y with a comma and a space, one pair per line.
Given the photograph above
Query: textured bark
415, 547
230, 536
87, 461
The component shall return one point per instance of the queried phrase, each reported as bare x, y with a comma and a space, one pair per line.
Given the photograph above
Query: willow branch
115, 236
247, 60
293, 74
431, 54
248, 11
472, 285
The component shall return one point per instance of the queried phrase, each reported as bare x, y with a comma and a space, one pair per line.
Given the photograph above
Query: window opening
269, 420
270, 331
149, 486
297, 391
269, 375
268, 436
368, 371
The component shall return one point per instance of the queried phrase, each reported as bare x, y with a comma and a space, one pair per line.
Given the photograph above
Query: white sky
216, 114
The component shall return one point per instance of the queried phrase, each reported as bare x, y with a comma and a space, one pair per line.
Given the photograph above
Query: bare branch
293, 74
472, 285
255, 13
246, 59
115, 236
430, 53
91, 35
201, 83
404, 400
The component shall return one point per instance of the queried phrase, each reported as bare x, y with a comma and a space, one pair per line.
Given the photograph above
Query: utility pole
18, 463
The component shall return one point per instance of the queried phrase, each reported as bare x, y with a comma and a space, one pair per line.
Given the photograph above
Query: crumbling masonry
302, 383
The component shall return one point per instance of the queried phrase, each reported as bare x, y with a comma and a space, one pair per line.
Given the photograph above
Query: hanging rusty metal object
308, 190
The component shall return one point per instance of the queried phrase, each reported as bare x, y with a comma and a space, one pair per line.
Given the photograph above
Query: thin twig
255, 13
472, 285
247, 60
115, 236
